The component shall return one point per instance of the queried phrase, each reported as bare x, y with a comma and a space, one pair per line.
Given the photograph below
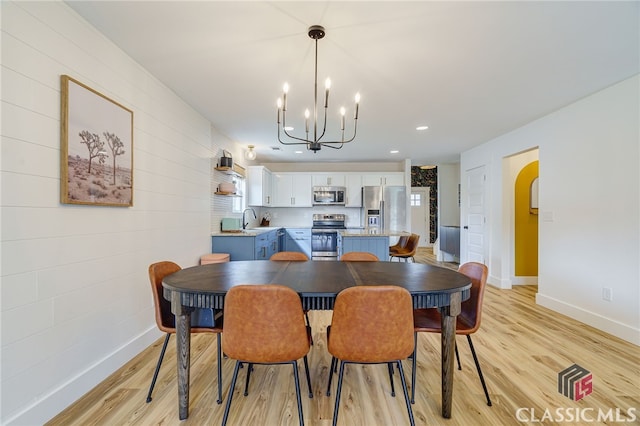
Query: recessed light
395, 151
422, 127
298, 152
288, 128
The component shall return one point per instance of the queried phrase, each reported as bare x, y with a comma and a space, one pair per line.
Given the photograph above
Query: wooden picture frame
96, 147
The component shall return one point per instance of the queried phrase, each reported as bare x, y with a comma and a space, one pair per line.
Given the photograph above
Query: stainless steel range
324, 236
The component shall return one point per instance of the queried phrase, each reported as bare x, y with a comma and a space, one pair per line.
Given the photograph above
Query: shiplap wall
75, 295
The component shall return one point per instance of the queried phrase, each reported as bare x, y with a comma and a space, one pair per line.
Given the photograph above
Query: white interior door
420, 214
473, 234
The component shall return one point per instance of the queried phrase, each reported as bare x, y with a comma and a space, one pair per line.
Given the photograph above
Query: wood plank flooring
521, 347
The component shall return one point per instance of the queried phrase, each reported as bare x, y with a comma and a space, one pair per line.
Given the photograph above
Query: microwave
329, 195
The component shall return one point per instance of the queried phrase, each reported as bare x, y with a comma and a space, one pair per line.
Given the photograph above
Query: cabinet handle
293, 201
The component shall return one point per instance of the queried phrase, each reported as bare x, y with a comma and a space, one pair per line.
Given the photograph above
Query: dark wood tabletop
318, 284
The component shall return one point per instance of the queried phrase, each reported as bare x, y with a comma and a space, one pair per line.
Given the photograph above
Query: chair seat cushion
428, 321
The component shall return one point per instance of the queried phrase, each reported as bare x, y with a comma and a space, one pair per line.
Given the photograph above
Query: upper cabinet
383, 179
329, 179
291, 189
354, 190
259, 186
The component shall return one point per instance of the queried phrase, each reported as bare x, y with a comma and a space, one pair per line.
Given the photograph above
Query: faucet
244, 225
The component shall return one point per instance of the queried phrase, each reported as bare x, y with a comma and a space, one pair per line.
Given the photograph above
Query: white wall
589, 233
76, 301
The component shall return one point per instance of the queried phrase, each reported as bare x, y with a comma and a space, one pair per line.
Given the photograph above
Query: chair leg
475, 359
219, 400
413, 368
458, 357
306, 316
246, 385
298, 397
333, 365
306, 370
230, 395
406, 393
337, 404
155, 374
390, 368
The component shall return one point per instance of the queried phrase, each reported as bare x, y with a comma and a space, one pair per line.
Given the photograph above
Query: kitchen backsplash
303, 217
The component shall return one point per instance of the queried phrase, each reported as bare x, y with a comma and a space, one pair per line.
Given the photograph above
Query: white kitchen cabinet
329, 179
259, 186
291, 190
383, 179
354, 190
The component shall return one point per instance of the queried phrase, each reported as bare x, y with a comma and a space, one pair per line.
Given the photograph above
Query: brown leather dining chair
359, 256
400, 245
166, 321
467, 323
357, 336
264, 324
408, 251
289, 255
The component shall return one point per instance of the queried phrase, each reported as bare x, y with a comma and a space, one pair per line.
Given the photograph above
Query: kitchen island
371, 240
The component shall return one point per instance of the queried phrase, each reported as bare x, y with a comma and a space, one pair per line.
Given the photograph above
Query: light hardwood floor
521, 347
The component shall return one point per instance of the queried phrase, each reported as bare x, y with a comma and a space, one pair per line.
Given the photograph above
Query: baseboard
57, 400
504, 284
607, 325
521, 280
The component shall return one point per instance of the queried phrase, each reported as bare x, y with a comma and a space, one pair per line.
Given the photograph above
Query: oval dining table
318, 283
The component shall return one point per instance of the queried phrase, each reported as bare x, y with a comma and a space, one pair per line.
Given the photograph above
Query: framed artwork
97, 148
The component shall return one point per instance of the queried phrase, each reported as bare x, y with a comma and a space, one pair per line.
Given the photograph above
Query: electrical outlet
607, 294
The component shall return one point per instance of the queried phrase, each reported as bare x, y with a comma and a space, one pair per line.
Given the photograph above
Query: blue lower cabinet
376, 245
298, 239
246, 247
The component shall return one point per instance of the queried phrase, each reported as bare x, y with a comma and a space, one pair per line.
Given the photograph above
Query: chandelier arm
324, 126
331, 146
302, 141
284, 130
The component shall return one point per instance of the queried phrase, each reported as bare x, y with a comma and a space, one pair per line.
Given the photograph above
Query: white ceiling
471, 71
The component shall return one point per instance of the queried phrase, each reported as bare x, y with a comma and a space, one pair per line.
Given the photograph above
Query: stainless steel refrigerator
384, 207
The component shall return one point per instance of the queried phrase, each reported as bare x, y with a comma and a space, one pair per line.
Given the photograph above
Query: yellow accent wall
526, 224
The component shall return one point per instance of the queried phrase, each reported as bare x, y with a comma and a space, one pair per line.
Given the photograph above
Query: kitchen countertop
250, 232
349, 232
372, 232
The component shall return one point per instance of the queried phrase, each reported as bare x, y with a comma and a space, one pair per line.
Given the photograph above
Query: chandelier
316, 32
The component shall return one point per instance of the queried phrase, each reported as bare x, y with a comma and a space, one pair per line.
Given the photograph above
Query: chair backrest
264, 323
289, 255
165, 319
412, 244
359, 256
372, 324
471, 309
402, 242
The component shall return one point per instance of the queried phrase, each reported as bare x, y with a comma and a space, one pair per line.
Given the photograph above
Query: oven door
324, 245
